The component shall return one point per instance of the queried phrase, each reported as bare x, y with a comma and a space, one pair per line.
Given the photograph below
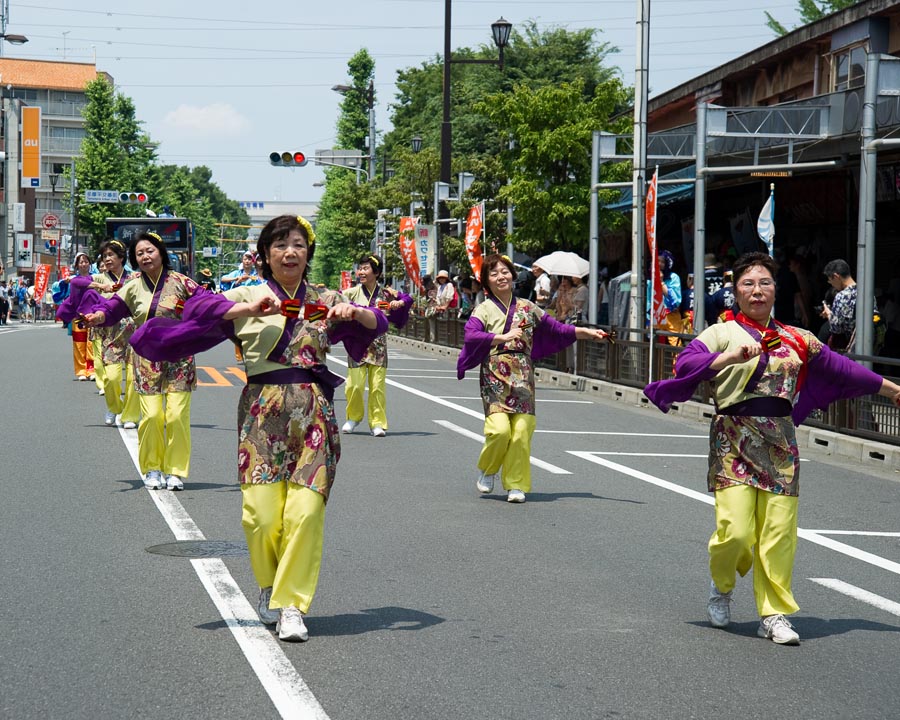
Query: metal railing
627, 362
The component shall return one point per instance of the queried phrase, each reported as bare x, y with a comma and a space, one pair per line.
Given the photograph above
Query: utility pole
639, 162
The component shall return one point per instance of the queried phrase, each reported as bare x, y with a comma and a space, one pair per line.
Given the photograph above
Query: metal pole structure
594, 239
446, 135
74, 214
700, 220
638, 289
5, 235
510, 208
371, 99
865, 231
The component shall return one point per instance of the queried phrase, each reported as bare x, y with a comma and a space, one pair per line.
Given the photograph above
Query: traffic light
133, 198
287, 159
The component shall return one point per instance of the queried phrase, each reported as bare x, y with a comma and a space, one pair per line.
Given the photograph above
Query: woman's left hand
595, 334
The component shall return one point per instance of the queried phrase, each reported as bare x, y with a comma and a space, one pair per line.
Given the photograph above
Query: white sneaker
777, 629
718, 607
515, 496
153, 480
130, 425
82, 378
267, 615
378, 431
290, 627
101, 391
485, 482
110, 418
173, 482
349, 426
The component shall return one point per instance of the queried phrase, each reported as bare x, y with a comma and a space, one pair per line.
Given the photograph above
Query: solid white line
289, 693
621, 434
665, 455
857, 593
468, 397
808, 535
480, 438
431, 377
866, 533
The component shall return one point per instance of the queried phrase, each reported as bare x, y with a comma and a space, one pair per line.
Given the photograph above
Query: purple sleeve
692, 367
78, 286
551, 336
476, 347
200, 328
830, 377
356, 336
400, 316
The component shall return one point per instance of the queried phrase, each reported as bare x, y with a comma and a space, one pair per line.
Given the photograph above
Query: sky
223, 84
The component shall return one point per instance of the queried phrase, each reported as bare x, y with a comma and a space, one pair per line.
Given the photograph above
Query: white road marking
866, 533
473, 398
622, 434
857, 593
660, 455
289, 693
809, 535
480, 438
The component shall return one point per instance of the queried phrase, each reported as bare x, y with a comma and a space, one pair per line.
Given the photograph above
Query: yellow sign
772, 173
31, 146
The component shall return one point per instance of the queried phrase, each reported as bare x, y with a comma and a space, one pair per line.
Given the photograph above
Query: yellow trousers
355, 389
129, 406
507, 444
164, 435
97, 354
755, 527
284, 524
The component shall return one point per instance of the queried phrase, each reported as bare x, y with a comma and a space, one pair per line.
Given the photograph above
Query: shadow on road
553, 497
809, 628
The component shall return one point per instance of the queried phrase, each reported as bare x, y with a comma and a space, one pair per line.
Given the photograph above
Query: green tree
810, 11
550, 166
115, 154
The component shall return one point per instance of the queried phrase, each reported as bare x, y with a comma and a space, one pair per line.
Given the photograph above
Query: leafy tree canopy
810, 11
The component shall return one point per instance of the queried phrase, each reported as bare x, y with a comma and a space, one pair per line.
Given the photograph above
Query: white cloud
215, 121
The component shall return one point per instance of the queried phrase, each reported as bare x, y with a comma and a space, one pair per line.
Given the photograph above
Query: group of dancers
289, 439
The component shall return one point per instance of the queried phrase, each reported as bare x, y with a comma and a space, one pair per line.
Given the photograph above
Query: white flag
765, 226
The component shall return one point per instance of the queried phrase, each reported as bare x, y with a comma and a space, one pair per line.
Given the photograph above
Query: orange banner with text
408, 249
474, 231
31, 146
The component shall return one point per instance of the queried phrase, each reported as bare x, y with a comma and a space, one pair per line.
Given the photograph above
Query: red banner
346, 280
658, 305
408, 249
474, 231
41, 277
64, 272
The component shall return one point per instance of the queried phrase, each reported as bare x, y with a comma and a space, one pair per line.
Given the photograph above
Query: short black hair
837, 267
154, 240
754, 259
276, 229
373, 261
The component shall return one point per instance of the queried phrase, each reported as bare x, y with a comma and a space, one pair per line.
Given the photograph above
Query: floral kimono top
376, 353
507, 370
114, 338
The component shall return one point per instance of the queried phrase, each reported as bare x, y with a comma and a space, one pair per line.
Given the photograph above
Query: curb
868, 453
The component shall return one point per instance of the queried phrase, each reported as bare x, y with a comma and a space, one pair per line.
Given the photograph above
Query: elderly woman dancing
768, 377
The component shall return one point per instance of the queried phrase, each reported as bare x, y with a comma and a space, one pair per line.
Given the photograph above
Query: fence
627, 362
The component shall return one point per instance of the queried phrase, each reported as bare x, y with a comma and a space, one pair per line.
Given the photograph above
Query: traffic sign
101, 196
49, 221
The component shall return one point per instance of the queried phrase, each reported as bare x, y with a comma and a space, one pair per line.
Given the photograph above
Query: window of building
62, 131
848, 68
26, 94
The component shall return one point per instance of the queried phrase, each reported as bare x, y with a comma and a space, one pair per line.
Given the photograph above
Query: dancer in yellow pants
372, 369
505, 335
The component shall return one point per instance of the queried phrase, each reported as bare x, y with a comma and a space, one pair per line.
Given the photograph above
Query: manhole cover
200, 549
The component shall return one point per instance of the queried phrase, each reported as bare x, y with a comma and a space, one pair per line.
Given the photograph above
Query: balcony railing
65, 146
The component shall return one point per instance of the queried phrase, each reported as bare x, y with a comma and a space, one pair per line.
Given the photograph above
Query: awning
665, 193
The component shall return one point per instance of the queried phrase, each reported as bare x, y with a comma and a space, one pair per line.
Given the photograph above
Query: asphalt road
588, 601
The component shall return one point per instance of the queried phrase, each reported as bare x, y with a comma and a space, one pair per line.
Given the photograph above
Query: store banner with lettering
474, 232
41, 278
426, 248
407, 232
31, 146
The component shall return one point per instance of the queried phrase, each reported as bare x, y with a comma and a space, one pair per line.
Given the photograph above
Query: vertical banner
31, 147
474, 231
64, 272
426, 248
765, 226
24, 250
657, 301
407, 232
41, 277
346, 280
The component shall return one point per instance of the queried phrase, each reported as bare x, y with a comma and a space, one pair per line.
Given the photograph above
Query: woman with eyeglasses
768, 378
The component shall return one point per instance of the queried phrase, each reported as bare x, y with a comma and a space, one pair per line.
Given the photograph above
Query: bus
177, 234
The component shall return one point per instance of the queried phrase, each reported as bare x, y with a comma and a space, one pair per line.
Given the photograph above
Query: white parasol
564, 263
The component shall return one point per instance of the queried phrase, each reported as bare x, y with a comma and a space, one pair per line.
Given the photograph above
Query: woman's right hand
95, 318
514, 334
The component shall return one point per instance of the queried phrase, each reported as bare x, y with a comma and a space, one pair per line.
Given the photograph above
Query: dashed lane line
857, 593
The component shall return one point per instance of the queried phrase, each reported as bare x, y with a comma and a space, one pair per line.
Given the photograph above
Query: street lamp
11, 38
500, 31
416, 143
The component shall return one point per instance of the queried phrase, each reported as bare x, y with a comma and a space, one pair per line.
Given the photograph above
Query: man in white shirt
541, 286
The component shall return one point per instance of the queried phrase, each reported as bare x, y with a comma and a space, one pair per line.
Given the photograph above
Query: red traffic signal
288, 159
133, 198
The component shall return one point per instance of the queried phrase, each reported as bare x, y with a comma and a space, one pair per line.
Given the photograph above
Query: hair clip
305, 224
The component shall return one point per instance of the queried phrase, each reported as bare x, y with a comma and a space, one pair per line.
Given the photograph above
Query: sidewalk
846, 447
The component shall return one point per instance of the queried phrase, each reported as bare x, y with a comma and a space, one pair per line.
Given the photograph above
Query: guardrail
627, 362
